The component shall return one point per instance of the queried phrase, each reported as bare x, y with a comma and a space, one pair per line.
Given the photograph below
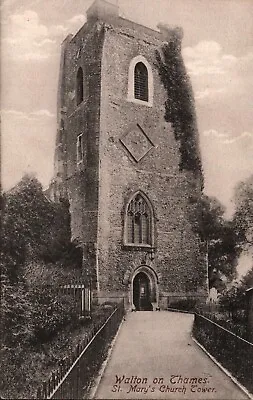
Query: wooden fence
81, 296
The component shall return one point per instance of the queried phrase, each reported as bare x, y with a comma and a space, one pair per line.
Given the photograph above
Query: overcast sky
218, 52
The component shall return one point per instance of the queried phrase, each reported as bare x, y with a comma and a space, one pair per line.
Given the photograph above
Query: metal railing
233, 352
72, 379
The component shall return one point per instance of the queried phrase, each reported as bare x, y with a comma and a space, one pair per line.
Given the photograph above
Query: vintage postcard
127, 199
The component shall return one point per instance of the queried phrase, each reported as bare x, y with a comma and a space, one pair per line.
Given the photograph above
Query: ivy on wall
179, 105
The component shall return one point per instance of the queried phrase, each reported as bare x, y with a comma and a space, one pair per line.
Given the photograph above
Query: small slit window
79, 149
79, 86
139, 222
61, 133
140, 82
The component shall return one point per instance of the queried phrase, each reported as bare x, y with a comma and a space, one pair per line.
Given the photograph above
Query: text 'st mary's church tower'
127, 159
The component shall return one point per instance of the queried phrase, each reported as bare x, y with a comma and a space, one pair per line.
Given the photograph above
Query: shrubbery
33, 315
53, 311
183, 304
37, 256
17, 315
233, 299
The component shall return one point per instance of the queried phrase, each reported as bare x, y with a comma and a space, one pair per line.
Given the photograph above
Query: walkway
154, 357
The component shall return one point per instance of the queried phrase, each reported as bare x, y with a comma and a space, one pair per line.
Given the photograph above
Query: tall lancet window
139, 222
141, 82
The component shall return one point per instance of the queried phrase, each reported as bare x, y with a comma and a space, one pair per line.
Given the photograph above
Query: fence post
39, 395
72, 383
61, 369
44, 395
49, 385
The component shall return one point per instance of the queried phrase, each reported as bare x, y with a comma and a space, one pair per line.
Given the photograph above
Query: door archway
142, 292
144, 289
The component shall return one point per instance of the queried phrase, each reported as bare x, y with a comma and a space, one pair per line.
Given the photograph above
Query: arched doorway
142, 292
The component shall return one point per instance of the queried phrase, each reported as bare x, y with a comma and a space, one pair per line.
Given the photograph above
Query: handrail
227, 348
225, 329
81, 354
72, 378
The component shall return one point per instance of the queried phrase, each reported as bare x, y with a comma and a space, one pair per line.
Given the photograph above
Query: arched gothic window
79, 86
139, 222
141, 82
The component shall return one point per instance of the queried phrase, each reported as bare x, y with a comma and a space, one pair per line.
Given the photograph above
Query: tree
34, 228
27, 215
36, 248
234, 299
243, 217
220, 239
247, 279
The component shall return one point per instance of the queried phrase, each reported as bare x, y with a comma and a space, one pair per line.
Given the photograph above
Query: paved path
154, 357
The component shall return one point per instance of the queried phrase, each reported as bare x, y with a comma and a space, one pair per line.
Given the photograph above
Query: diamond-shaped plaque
137, 143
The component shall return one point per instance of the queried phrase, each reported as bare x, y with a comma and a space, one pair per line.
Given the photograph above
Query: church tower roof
109, 12
101, 9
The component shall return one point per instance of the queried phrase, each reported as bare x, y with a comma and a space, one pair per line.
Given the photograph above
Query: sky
218, 53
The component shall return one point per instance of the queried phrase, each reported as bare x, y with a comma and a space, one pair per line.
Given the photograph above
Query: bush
52, 312
35, 231
109, 304
31, 316
16, 315
228, 349
233, 299
38, 273
183, 304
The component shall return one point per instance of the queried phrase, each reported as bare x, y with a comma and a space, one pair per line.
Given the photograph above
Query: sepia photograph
126, 199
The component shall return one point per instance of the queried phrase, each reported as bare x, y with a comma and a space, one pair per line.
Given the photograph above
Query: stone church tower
120, 159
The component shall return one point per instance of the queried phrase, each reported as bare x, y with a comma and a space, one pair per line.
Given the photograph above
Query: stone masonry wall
100, 186
83, 50
177, 258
